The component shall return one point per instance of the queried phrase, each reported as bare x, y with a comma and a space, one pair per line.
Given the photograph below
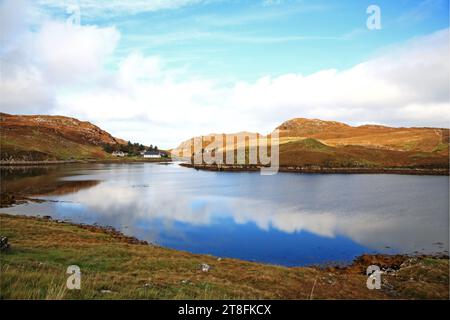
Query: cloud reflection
128, 206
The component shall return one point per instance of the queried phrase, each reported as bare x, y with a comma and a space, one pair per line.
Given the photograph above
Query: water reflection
47, 180
288, 219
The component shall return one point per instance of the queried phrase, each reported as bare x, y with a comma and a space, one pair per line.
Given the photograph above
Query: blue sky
248, 39
161, 71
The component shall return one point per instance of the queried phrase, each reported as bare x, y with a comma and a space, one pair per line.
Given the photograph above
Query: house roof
152, 153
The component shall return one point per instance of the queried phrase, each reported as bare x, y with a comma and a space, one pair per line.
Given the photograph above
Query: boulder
4, 245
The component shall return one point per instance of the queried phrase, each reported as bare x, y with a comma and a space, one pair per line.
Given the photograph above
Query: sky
161, 71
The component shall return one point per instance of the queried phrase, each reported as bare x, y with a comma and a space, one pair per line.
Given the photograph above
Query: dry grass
41, 250
329, 144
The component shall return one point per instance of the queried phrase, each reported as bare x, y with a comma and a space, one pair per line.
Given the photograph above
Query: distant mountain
39, 137
313, 142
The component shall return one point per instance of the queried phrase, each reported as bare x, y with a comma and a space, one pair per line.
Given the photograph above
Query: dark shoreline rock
322, 170
94, 228
7, 199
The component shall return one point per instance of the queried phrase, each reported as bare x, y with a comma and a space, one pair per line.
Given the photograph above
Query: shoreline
105, 254
386, 259
7, 164
109, 230
240, 168
322, 170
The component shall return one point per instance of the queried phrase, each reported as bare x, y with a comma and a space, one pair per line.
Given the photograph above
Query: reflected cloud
249, 216
130, 205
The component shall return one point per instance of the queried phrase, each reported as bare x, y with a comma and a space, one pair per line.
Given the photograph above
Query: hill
372, 136
330, 144
38, 137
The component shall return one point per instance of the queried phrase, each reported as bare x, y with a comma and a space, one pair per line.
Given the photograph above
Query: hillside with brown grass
330, 144
38, 137
372, 136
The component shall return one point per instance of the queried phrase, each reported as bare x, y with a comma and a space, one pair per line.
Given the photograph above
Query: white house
119, 154
152, 154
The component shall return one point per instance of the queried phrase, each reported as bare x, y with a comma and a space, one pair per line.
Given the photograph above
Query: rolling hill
330, 144
302, 143
38, 137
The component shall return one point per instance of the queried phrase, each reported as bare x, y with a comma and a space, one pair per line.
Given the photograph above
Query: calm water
288, 219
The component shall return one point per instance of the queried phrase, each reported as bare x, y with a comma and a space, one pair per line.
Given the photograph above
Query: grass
441, 147
410, 145
314, 144
309, 144
41, 250
47, 146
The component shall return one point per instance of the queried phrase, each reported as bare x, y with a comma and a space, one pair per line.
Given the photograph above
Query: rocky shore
7, 163
323, 170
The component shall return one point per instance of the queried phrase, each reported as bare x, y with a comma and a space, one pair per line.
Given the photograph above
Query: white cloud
43, 63
136, 67
59, 69
406, 86
72, 53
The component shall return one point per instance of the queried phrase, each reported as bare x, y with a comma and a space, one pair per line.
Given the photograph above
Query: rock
389, 271
7, 199
409, 262
4, 245
205, 267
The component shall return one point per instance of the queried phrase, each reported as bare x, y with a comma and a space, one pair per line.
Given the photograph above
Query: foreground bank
114, 266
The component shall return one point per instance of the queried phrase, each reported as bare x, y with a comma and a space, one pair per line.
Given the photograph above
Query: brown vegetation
115, 266
37, 138
312, 143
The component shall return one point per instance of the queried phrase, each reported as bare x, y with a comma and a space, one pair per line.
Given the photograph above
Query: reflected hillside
35, 181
